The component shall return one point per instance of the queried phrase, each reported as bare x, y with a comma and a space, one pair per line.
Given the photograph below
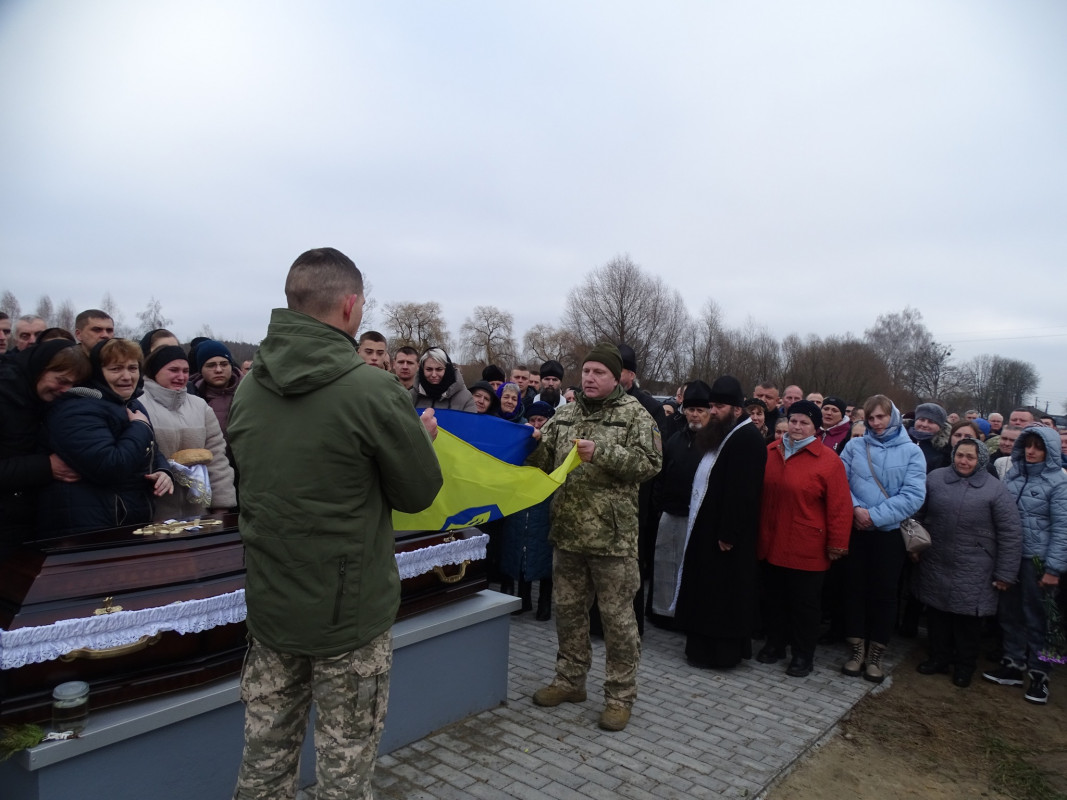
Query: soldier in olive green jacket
594, 530
326, 446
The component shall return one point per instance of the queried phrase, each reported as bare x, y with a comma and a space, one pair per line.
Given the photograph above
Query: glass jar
70, 706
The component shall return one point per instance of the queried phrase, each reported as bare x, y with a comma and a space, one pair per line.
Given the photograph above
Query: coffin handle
113, 652
440, 572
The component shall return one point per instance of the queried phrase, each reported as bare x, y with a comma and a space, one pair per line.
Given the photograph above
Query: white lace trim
48, 642
416, 562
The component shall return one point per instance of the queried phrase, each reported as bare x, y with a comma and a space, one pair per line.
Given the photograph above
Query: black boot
525, 588
544, 600
507, 586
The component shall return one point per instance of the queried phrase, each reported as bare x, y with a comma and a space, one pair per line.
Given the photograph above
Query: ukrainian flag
478, 487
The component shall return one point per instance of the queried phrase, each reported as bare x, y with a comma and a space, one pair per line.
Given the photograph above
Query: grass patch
1014, 775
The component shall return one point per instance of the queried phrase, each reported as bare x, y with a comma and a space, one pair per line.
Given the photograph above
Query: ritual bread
192, 456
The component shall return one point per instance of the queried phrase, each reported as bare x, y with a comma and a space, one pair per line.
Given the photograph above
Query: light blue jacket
1040, 492
900, 466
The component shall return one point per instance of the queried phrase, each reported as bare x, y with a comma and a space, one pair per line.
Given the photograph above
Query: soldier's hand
585, 449
429, 422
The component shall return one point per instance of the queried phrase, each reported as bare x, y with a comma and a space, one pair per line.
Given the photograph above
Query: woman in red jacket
805, 523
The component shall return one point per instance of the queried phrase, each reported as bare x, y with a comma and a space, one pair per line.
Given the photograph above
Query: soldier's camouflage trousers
614, 580
351, 693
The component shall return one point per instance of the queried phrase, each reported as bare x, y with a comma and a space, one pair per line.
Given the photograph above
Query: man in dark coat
717, 594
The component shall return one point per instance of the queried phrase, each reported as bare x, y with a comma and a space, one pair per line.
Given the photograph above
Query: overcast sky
806, 164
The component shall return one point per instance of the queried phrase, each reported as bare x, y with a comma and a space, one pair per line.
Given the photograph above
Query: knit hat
629, 357
836, 402
697, 395
551, 369
755, 402
727, 389
809, 410
932, 412
162, 356
607, 354
540, 409
493, 373
206, 350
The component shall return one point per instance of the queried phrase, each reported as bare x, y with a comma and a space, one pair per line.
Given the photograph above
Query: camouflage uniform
594, 530
351, 694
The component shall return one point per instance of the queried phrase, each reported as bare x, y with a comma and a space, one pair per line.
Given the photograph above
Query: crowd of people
726, 517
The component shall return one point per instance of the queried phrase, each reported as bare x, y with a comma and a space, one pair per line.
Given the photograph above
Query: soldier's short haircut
407, 350
371, 336
88, 314
767, 385
318, 278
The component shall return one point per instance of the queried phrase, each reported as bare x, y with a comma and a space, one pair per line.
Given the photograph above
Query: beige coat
181, 421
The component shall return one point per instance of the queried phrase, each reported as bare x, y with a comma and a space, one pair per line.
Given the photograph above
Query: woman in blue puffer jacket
1038, 485
887, 476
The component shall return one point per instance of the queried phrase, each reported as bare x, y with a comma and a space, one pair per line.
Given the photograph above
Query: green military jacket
595, 511
326, 447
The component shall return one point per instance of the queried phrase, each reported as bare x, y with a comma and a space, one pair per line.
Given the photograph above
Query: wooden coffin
97, 573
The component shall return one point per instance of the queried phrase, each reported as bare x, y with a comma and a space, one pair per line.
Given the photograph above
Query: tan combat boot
554, 694
854, 665
873, 671
614, 717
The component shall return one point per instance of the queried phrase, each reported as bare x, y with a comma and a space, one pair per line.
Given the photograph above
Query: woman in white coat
183, 421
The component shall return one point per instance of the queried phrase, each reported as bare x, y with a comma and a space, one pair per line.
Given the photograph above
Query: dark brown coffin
73, 577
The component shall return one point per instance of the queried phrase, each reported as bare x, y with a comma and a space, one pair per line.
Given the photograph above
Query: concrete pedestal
448, 663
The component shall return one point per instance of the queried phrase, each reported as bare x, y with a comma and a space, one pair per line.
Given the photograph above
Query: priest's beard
715, 431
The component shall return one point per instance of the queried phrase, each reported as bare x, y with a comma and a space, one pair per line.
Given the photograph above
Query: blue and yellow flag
478, 487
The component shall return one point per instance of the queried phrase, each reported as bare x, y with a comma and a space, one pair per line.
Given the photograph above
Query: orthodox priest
717, 597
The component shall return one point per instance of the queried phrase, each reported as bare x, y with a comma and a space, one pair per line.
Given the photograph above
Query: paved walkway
694, 733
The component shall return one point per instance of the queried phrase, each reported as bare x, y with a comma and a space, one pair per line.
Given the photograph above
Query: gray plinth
448, 663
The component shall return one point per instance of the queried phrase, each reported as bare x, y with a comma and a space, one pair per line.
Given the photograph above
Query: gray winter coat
977, 538
1040, 491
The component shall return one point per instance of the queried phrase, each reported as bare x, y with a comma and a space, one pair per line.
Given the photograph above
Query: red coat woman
805, 523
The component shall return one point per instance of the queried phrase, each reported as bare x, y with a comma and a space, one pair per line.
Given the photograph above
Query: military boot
854, 665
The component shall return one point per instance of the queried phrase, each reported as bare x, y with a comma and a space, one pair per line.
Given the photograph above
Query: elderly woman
439, 384
485, 398
1039, 487
887, 476
931, 432
511, 407
976, 545
29, 380
805, 522
103, 433
183, 421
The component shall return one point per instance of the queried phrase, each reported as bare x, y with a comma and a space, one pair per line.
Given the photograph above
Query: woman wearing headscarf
103, 433
29, 381
485, 399
1038, 485
439, 384
511, 407
183, 421
887, 476
976, 543
805, 523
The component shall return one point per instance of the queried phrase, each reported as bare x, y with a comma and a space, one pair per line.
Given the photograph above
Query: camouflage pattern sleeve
636, 456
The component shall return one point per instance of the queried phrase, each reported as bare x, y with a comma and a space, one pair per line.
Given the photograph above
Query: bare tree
546, 343
108, 304
998, 384
64, 316
619, 303
706, 337
917, 365
487, 336
418, 325
152, 317
10, 305
839, 365
45, 310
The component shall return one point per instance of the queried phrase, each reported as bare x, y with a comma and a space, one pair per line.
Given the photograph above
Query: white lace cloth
47, 642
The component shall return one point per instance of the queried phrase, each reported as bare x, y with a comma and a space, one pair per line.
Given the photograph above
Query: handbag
916, 537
